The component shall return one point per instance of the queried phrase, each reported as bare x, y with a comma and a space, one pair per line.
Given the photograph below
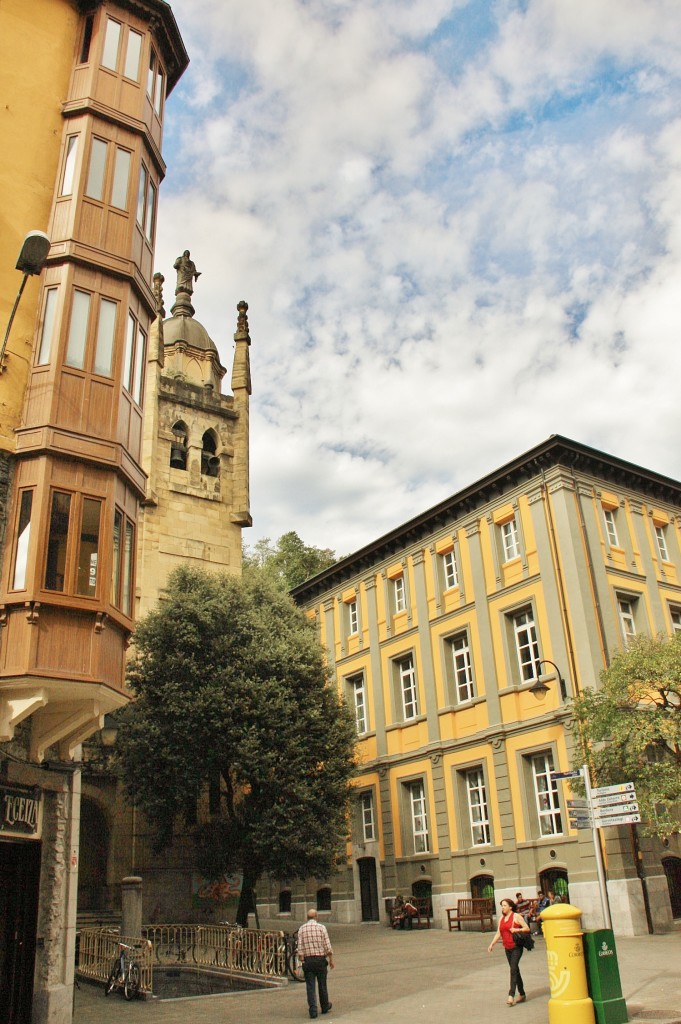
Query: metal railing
98, 949
226, 946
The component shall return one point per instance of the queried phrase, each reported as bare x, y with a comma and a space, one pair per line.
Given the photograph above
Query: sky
458, 229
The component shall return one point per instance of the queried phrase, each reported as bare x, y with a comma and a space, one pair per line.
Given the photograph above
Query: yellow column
569, 1002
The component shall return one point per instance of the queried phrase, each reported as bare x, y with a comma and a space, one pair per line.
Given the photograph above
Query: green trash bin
603, 976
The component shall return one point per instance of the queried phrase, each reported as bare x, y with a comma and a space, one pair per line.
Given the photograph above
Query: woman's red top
505, 926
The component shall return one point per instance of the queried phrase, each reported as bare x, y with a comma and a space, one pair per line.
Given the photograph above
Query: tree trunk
247, 895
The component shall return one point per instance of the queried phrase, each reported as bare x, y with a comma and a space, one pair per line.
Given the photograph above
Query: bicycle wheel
112, 979
132, 982
167, 953
293, 964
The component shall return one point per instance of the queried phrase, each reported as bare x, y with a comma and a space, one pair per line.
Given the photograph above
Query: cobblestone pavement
430, 976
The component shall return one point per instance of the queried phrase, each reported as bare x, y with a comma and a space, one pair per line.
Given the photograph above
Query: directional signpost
601, 808
615, 805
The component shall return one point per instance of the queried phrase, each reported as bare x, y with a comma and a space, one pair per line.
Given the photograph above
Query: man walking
316, 956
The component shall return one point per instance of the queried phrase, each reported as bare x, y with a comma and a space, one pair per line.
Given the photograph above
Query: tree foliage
231, 687
290, 561
630, 730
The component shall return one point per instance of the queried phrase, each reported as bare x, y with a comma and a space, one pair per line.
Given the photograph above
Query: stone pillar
131, 900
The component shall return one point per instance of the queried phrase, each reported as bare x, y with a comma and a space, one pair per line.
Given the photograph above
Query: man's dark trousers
315, 968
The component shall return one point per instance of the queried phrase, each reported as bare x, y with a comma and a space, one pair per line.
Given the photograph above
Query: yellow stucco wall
37, 41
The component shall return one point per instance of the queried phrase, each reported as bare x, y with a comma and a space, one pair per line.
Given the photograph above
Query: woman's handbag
524, 940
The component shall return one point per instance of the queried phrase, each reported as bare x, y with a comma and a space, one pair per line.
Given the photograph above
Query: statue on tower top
186, 273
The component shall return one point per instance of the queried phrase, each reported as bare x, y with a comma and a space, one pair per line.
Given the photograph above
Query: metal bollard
569, 1002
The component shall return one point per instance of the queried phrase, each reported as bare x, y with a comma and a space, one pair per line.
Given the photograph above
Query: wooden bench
475, 909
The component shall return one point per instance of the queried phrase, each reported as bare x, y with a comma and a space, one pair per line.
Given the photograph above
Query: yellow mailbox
569, 1002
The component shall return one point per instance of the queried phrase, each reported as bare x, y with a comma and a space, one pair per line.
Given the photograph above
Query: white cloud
444, 263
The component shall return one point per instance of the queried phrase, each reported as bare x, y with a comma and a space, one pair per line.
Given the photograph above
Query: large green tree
290, 561
232, 690
630, 729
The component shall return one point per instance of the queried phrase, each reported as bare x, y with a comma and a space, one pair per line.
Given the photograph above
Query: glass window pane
116, 575
141, 196
80, 312
150, 219
128, 555
132, 55
48, 326
88, 551
95, 179
158, 95
87, 39
56, 545
140, 351
105, 337
151, 74
127, 357
69, 165
111, 41
119, 189
23, 536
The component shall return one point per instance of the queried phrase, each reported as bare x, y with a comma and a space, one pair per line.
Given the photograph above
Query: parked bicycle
125, 972
293, 963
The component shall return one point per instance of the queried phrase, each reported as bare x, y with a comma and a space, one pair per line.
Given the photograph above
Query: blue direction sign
576, 773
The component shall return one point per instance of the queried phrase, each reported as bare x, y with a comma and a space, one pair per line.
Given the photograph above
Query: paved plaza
425, 976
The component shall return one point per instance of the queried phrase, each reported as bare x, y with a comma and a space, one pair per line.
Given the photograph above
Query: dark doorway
555, 880
19, 886
368, 889
423, 888
482, 887
94, 849
672, 869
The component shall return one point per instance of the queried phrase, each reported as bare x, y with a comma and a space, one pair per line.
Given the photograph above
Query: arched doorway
555, 880
423, 888
672, 869
94, 853
482, 887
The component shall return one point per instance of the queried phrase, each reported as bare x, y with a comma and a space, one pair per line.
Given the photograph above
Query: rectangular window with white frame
460, 670
366, 802
450, 572
358, 701
546, 795
399, 595
407, 688
626, 608
478, 812
675, 614
609, 516
526, 644
661, 537
419, 817
352, 617
509, 540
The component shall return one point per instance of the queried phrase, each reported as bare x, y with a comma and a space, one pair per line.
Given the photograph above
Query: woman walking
509, 923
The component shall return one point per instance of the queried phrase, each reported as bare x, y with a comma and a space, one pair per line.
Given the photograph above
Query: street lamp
540, 687
109, 733
34, 250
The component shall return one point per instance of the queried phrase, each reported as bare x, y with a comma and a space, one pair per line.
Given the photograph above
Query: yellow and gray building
437, 632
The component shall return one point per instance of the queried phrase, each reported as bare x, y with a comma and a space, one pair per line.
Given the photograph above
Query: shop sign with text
20, 811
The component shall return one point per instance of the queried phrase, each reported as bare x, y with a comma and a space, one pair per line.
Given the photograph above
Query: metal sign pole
605, 905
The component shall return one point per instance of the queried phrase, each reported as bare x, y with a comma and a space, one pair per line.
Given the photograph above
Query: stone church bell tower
195, 447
